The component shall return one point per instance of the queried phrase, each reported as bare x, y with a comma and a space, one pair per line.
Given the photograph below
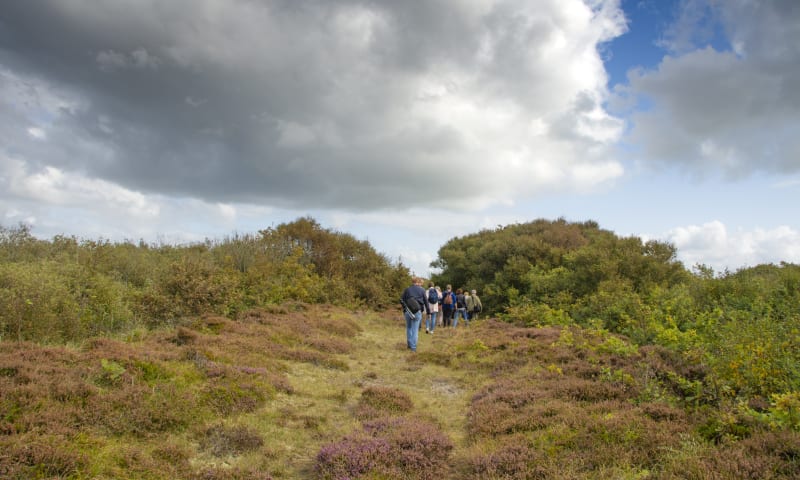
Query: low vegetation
274, 356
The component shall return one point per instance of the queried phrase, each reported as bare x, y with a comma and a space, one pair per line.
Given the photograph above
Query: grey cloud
295, 103
110, 60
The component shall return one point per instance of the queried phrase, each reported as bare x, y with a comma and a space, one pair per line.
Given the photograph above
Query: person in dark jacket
448, 307
413, 301
461, 308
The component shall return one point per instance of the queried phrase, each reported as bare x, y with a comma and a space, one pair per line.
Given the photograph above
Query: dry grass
320, 392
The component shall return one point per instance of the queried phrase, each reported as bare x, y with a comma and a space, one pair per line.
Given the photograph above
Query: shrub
143, 410
512, 460
352, 457
172, 454
42, 457
785, 410
216, 473
183, 336
36, 304
769, 455
394, 448
228, 396
221, 440
378, 401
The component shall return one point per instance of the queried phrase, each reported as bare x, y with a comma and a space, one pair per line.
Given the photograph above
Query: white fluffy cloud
714, 245
55, 202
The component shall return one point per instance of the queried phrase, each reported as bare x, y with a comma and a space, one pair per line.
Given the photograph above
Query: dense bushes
611, 350
67, 289
743, 326
558, 263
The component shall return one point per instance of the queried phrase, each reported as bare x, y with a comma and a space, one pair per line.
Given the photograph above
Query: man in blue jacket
413, 301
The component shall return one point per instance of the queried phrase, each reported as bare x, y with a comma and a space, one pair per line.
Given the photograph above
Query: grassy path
321, 408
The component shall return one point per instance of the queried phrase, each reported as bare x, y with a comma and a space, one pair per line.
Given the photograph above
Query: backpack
433, 295
477, 308
461, 302
448, 298
413, 305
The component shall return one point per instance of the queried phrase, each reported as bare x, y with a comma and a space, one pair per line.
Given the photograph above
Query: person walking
413, 302
432, 296
468, 303
477, 306
461, 308
439, 307
448, 305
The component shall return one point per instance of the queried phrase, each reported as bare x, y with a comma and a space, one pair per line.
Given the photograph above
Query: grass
321, 392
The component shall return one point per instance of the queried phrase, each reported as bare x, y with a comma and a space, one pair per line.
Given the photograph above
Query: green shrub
36, 304
229, 396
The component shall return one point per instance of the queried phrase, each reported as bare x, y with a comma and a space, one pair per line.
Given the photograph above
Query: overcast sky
405, 123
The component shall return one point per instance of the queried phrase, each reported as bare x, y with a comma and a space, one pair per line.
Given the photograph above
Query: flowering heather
379, 401
352, 457
397, 447
43, 457
512, 461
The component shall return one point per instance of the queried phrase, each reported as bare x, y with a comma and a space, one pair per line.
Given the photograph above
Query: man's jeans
462, 312
412, 328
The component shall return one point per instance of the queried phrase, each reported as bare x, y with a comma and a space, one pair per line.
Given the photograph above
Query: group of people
452, 305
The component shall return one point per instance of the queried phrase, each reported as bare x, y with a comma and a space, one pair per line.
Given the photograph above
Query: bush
142, 410
512, 460
229, 396
769, 455
211, 473
36, 304
379, 401
43, 457
221, 440
393, 448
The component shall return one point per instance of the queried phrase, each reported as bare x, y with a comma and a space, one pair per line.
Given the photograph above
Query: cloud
109, 60
56, 202
311, 104
714, 245
54, 187
37, 133
715, 107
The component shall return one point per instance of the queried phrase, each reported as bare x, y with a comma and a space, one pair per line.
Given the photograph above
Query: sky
405, 124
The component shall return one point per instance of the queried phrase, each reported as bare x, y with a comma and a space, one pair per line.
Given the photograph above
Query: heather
280, 355
223, 399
